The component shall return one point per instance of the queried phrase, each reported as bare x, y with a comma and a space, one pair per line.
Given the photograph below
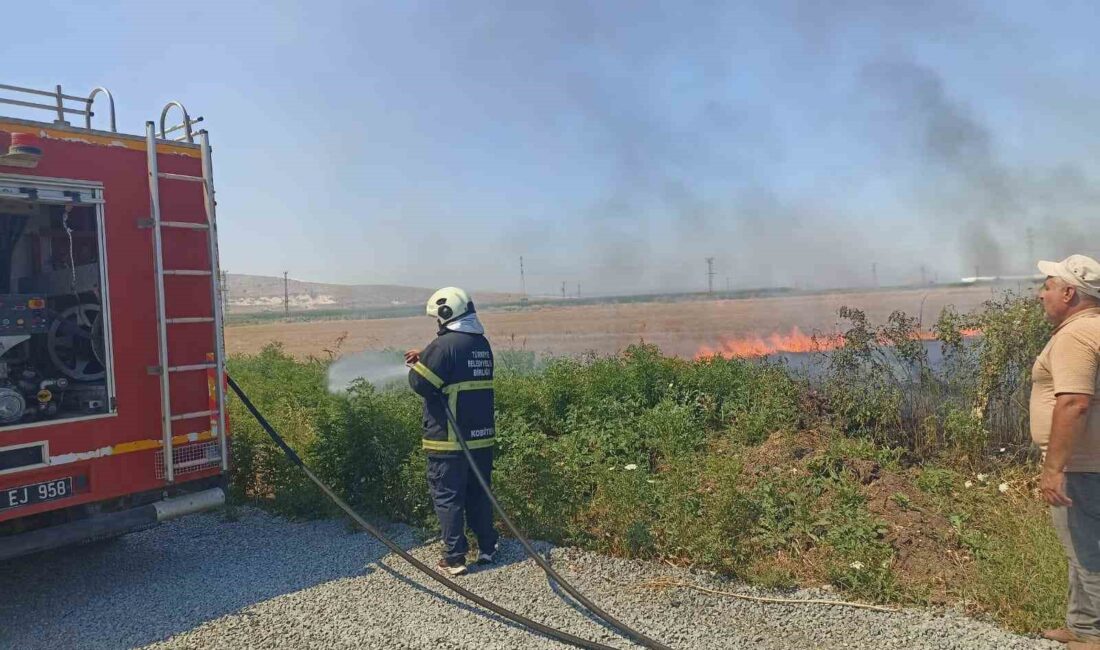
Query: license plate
27, 495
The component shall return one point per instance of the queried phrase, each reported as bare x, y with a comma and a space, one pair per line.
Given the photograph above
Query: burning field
749, 327
796, 342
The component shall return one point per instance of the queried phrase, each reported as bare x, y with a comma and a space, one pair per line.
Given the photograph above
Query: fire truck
112, 364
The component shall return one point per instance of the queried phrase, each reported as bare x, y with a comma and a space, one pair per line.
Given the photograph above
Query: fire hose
294, 458
621, 627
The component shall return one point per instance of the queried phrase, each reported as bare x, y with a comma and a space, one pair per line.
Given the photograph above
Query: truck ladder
166, 371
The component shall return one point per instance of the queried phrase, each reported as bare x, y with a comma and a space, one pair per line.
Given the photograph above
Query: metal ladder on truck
217, 416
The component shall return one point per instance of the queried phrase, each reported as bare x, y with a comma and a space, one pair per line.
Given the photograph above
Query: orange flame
758, 346
796, 342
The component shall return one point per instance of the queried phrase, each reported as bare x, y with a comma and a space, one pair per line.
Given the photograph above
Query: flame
795, 342
758, 346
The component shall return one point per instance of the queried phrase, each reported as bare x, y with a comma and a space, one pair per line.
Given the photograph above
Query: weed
903, 500
643, 455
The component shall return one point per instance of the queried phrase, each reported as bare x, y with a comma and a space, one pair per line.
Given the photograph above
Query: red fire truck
112, 371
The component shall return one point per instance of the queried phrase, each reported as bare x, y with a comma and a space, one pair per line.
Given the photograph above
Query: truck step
197, 366
187, 225
196, 414
180, 177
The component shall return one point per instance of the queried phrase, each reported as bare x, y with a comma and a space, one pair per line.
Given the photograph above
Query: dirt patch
926, 553
782, 451
928, 558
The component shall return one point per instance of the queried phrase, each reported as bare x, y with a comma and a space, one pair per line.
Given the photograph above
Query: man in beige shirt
1065, 423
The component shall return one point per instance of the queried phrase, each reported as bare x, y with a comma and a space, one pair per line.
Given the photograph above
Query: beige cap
1079, 271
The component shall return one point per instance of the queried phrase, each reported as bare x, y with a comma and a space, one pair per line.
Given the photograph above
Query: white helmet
448, 304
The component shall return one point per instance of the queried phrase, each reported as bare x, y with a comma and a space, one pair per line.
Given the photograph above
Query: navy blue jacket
456, 367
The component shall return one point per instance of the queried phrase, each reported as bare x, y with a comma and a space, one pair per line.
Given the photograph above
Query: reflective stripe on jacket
456, 367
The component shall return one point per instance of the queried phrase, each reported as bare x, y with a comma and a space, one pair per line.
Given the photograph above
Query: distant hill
258, 293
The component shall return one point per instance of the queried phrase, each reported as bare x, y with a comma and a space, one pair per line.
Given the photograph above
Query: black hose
621, 627
554, 633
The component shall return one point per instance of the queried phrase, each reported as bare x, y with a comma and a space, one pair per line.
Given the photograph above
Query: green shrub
542, 482
648, 456
880, 382
965, 433
290, 394
993, 370
938, 481
704, 513
365, 439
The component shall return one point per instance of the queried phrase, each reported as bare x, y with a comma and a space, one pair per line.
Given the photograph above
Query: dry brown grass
678, 328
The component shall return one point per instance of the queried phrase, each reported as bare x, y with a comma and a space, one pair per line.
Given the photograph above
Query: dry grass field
680, 328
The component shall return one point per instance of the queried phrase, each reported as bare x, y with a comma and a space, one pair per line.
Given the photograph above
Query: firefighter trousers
459, 501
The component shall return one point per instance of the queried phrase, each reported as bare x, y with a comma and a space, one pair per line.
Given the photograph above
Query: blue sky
615, 144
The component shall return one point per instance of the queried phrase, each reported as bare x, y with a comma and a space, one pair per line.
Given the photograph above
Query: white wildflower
1003, 488
968, 484
630, 467
649, 480
858, 566
982, 477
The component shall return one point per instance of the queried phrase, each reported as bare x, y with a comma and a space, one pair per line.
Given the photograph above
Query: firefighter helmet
448, 304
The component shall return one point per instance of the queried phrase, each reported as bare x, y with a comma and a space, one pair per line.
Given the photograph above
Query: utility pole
1030, 246
563, 290
286, 296
710, 275
225, 292
522, 278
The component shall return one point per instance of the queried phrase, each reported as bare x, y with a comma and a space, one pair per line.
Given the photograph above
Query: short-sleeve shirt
1070, 363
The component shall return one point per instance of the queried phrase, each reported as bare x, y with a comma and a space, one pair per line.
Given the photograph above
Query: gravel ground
263, 582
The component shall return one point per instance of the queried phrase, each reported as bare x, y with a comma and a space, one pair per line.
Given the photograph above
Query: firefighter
456, 370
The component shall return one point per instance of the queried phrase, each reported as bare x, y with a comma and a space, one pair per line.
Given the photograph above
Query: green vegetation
883, 475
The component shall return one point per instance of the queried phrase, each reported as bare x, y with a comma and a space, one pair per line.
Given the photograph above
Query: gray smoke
961, 182
684, 165
965, 189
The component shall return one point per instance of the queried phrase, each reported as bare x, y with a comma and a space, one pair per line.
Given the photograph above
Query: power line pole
225, 292
1030, 246
286, 296
522, 278
710, 275
563, 290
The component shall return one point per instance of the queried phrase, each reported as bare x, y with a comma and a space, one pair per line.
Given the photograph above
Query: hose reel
76, 344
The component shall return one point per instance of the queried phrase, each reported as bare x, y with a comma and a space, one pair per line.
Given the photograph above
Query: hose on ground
534, 626
621, 627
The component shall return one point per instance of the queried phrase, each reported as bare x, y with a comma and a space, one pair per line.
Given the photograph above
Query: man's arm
1071, 412
430, 371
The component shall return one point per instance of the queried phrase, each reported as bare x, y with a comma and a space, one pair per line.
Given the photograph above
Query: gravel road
263, 582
